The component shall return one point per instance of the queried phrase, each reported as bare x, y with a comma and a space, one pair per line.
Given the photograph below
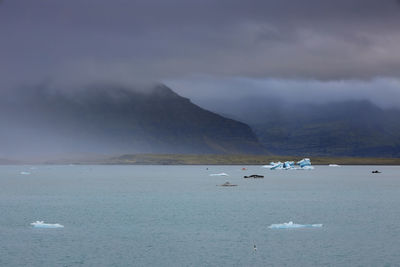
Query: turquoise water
177, 216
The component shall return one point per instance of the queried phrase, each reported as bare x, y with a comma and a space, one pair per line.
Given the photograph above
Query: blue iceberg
287, 165
41, 224
291, 225
304, 164
276, 165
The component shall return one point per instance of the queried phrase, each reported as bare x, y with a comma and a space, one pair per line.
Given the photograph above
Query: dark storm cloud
155, 40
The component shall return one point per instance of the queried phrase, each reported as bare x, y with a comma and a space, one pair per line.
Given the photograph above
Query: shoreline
207, 159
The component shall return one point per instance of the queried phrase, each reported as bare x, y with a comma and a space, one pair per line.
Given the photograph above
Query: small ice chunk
24, 173
266, 166
41, 224
291, 225
219, 174
334, 165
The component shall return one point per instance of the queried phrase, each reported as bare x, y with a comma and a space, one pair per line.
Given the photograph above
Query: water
177, 216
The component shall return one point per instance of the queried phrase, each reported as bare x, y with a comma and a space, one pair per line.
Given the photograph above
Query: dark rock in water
376, 171
254, 176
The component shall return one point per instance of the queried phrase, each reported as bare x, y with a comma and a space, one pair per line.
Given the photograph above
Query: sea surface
178, 216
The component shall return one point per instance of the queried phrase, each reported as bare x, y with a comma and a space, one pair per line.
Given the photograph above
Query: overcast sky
344, 47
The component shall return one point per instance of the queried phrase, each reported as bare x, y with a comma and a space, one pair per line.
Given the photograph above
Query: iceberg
288, 165
276, 165
291, 225
219, 174
41, 224
24, 173
304, 162
334, 165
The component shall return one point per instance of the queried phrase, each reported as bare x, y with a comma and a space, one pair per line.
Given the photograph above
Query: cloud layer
157, 40
211, 92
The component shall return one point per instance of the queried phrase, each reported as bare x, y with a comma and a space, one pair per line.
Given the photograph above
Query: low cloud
210, 91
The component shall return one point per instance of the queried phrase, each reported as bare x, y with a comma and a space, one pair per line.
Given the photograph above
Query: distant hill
8, 162
350, 128
112, 119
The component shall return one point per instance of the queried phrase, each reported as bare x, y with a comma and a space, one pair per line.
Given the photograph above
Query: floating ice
334, 165
41, 224
291, 225
24, 173
266, 166
288, 165
276, 165
304, 164
219, 174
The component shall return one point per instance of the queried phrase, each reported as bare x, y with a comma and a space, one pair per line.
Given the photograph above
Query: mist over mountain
345, 128
275, 65
113, 119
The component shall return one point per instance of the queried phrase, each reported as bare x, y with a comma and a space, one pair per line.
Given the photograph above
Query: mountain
346, 128
112, 119
8, 162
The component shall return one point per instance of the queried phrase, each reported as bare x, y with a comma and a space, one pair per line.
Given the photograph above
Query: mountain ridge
347, 128
118, 120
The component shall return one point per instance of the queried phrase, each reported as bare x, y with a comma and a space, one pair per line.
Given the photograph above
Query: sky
309, 50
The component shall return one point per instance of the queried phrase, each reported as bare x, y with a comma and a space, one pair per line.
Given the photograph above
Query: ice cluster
291, 225
304, 164
41, 224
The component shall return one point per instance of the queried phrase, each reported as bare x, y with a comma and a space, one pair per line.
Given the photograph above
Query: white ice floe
334, 165
41, 224
24, 173
219, 174
291, 225
266, 166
